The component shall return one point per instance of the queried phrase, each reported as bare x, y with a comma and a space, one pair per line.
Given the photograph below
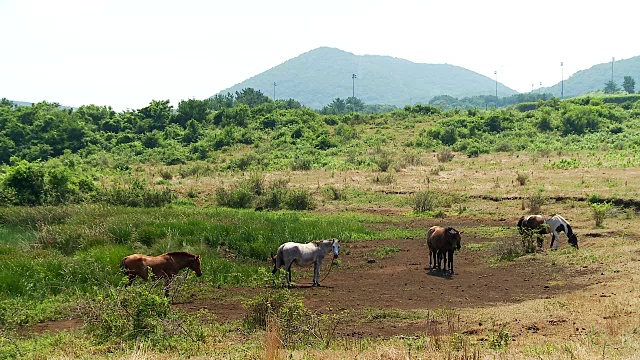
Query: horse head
195, 265
573, 240
335, 247
455, 236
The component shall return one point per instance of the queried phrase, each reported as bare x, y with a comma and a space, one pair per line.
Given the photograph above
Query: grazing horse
163, 266
304, 255
554, 225
442, 242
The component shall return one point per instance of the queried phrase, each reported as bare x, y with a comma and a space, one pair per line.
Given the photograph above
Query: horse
164, 266
304, 255
442, 242
554, 225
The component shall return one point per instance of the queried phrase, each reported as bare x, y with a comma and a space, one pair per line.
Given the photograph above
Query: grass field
61, 292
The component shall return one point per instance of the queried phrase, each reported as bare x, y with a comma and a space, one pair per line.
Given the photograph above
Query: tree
251, 97
157, 115
610, 87
354, 104
191, 109
629, 84
337, 106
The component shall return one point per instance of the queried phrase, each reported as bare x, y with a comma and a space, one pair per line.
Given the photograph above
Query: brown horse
164, 266
442, 242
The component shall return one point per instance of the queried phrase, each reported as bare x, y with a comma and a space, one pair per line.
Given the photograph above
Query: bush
27, 182
425, 201
138, 313
536, 200
299, 199
600, 212
445, 155
238, 198
383, 161
522, 178
138, 194
294, 320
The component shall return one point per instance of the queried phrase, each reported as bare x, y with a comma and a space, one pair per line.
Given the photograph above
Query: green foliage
629, 84
299, 199
425, 201
138, 314
136, 193
611, 87
600, 211
499, 337
27, 181
382, 252
295, 321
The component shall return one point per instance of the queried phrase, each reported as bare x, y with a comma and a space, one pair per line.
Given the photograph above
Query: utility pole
495, 72
562, 74
353, 92
612, 61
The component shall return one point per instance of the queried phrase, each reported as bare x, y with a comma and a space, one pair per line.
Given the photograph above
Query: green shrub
137, 194
237, 198
299, 199
600, 212
522, 178
536, 200
138, 313
27, 182
425, 201
287, 309
445, 155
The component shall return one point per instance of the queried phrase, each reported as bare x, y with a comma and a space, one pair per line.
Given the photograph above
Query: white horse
304, 255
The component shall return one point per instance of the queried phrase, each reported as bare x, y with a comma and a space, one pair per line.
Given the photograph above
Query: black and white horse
554, 225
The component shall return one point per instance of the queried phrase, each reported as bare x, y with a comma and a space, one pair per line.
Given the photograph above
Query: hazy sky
125, 53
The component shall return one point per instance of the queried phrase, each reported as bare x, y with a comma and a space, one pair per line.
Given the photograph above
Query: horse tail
520, 224
278, 260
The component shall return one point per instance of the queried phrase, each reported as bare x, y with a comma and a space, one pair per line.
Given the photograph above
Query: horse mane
180, 253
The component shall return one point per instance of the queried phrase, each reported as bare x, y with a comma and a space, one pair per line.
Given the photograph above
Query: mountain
595, 78
317, 77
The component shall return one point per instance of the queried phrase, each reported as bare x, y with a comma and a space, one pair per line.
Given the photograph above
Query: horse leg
167, 283
131, 278
289, 275
553, 239
316, 273
450, 255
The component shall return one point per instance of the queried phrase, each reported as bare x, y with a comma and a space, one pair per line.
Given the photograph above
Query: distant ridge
317, 77
595, 78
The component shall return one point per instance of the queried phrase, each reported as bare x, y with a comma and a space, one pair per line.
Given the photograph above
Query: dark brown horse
164, 266
442, 242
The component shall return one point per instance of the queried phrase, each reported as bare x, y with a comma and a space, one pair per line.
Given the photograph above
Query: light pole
495, 72
540, 90
353, 92
612, 61
274, 91
562, 74
353, 85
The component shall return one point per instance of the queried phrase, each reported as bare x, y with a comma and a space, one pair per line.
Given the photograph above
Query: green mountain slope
594, 78
317, 77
